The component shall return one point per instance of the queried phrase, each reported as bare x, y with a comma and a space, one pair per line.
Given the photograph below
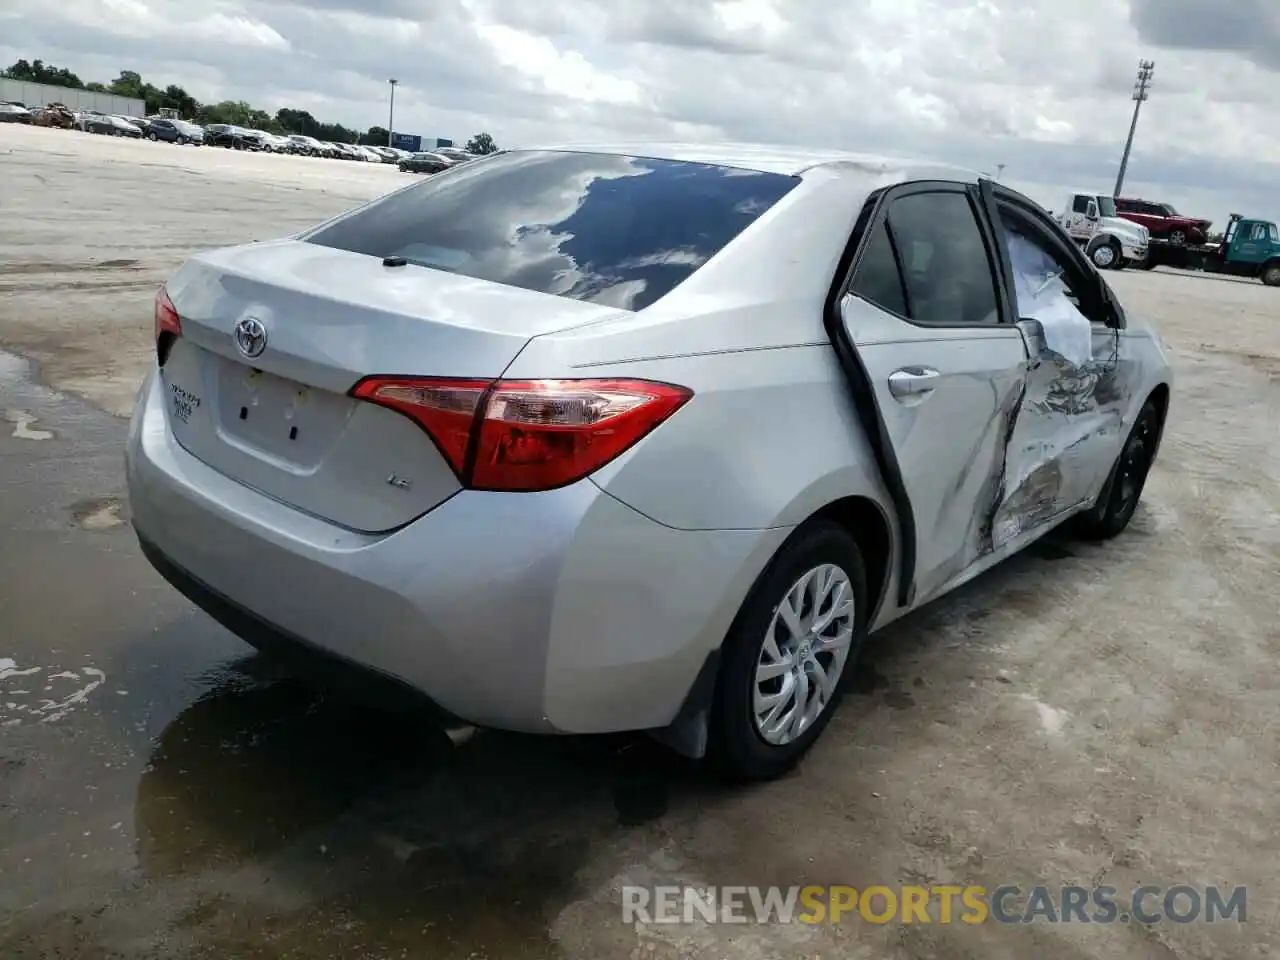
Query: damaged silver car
599, 439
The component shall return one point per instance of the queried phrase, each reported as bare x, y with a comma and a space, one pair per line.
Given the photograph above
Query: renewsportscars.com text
1009, 904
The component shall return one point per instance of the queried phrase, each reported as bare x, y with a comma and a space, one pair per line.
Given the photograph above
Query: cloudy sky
1041, 86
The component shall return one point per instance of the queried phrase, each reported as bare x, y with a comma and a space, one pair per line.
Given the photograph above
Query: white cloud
1041, 86
563, 73
159, 20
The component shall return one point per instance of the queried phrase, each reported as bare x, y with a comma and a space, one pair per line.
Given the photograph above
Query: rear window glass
614, 230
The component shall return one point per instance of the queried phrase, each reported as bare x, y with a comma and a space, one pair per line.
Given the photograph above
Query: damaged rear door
926, 331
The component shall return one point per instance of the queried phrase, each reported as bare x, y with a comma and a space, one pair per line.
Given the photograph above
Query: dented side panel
1067, 433
1027, 415
1069, 423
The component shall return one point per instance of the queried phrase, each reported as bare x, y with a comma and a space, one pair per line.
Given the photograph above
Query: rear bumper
305, 658
563, 611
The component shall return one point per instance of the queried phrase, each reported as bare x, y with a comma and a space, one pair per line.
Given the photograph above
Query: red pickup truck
1163, 222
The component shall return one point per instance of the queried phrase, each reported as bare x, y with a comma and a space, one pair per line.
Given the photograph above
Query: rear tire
759, 730
1123, 489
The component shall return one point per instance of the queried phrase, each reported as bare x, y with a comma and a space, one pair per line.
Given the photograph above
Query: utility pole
391, 118
1140, 87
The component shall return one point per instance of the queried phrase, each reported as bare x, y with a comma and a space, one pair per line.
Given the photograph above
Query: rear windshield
614, 230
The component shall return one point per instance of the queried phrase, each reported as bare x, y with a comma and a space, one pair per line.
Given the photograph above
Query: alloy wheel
1135, 462
803, 654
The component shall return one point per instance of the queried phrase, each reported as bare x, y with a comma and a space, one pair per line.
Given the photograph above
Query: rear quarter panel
769, 438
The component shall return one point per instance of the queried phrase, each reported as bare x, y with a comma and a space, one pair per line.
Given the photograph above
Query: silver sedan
635, 438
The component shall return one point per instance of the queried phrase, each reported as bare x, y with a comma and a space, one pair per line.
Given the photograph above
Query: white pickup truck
1111, 242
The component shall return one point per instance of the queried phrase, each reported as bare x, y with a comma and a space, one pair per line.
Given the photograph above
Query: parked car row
93, 121
235, 137
227, 135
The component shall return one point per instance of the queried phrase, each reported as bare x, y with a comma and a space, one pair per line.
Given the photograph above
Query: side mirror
1091, 212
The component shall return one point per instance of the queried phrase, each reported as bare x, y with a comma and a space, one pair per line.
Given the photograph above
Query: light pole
1140, 87
391, 118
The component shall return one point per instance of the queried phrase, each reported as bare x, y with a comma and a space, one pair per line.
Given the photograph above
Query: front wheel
1177, 238
792, 644
1123, 489
1271, 274
1106, 255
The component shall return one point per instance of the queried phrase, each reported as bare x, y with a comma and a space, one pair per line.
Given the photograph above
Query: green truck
1249, 248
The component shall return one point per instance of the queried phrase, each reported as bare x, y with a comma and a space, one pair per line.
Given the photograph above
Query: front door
1252, 242
944, 367
1076, 220
1070, 425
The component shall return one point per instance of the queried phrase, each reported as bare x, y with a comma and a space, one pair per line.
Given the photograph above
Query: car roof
786, 160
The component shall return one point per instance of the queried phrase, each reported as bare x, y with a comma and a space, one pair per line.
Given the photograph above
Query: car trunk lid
282, 422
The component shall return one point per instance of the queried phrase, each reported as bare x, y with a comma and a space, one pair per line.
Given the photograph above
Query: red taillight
525, 435
446, 409
168, 325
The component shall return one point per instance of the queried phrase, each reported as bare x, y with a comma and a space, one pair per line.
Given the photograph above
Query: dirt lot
1081, 715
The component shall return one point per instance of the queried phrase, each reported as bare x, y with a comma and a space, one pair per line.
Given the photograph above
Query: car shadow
263, 758
379, 826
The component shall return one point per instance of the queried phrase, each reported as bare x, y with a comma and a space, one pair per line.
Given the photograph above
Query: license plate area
285, 419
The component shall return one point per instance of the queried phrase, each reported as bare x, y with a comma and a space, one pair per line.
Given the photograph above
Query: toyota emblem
251, 337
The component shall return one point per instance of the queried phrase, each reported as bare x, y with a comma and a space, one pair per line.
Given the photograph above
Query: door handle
913, 382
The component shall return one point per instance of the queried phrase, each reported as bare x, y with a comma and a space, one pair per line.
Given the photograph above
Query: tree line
173, 97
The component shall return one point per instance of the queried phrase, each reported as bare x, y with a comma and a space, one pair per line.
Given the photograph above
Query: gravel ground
1082, 714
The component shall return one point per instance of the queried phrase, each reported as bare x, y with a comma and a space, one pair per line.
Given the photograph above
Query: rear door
939, 370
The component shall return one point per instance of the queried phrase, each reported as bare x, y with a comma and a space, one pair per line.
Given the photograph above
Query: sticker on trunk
183, 402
